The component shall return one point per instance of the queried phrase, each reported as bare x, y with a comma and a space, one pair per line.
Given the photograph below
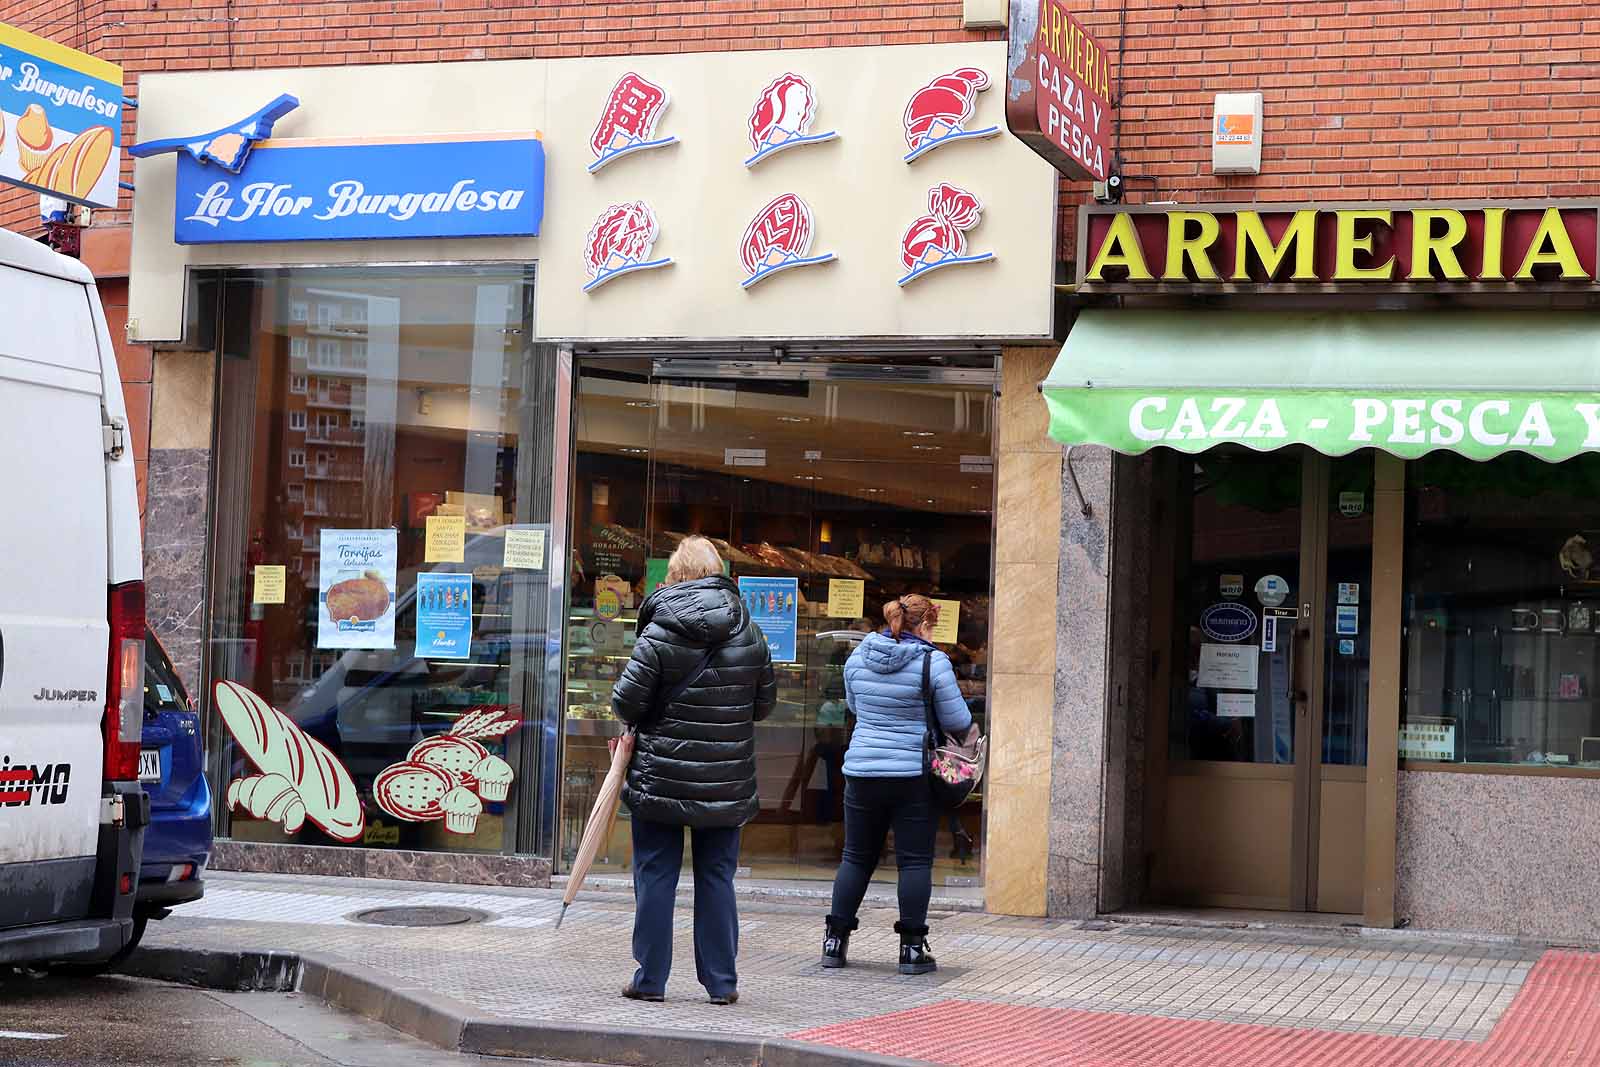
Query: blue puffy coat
883, 687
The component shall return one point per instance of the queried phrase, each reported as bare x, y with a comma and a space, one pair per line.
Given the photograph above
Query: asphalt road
99, 1022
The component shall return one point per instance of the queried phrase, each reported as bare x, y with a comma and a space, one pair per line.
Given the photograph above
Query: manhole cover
419, 916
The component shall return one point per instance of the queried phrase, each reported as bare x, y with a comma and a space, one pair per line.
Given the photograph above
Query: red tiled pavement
1555, 1019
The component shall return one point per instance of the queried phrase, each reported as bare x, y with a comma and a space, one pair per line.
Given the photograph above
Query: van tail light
124, 719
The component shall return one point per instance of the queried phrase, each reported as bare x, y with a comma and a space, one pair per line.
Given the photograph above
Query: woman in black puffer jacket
694, 763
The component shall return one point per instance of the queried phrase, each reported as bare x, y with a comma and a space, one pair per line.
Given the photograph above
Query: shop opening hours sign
1058, 95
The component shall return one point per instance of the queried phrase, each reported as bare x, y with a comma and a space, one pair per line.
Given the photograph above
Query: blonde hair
694, 558
909, 613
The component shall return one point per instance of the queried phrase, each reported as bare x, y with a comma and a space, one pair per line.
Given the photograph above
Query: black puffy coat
695, 762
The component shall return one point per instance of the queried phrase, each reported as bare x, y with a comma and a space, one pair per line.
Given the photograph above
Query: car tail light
124, 721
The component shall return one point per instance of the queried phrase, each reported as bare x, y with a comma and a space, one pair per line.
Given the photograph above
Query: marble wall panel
1499, 853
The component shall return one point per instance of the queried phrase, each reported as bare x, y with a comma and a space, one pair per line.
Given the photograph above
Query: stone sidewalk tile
515, 964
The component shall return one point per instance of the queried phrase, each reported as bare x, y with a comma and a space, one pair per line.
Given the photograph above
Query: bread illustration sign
628, 120
619, 243
938, 239
937, 114
450, 776
299, 780
781, 118
778, 239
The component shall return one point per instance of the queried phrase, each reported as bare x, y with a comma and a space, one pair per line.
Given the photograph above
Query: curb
457, 1027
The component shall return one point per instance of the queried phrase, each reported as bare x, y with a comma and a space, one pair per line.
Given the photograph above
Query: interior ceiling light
637, 451
916, 433
874, 490
794, 418
642, 404
926, 448
808, 477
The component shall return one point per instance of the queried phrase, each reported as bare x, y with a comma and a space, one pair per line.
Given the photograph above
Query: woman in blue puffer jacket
885, 782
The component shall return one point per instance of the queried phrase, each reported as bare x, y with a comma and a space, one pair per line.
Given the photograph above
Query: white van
72, 813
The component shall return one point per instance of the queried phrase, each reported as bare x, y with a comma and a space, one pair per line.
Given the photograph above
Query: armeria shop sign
1058, 93
1470, 247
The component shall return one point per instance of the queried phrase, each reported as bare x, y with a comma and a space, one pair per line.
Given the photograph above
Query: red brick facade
1364, 99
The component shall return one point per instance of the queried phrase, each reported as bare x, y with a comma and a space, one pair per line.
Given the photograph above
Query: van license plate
150, 765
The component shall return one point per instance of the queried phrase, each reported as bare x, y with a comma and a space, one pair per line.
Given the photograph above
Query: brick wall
1364, 98
148, 35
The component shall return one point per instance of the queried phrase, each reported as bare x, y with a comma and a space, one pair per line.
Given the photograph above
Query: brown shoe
726, 998
632, 993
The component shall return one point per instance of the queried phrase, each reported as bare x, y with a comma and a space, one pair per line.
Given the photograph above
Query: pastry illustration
461, 810
493, 776
34, 137
270, 797
451, 775
322, 788
360, 599
455, 756
411, 791
74, 168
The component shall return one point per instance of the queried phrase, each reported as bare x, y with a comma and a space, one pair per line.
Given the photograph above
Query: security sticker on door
1272, 591
1232, 585
1347, 620
1349, 592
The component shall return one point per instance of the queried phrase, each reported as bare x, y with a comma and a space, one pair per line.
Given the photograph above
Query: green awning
1409, 383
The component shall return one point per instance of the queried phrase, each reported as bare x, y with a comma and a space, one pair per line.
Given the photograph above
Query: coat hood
882, 654
706, 611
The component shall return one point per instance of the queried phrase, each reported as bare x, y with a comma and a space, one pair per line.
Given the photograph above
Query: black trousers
873, 806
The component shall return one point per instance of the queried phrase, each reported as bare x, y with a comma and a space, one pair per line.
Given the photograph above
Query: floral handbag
954, 766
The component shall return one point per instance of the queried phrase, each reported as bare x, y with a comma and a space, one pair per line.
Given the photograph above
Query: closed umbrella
601, 819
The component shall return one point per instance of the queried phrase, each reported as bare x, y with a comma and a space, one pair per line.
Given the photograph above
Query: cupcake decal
452, 775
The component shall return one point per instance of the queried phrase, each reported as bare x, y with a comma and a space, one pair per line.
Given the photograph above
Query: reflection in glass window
382, 698
1502, 612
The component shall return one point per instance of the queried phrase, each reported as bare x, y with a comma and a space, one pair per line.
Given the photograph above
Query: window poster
847, 598
525, 547
445, 539
944, 631
774, 605
356, 595
444, 616
1228, 666
271, 581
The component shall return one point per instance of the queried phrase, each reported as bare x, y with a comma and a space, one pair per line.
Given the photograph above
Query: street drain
419, 916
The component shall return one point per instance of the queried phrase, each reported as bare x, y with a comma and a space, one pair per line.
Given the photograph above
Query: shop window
812, 482
1502, 612
419, 668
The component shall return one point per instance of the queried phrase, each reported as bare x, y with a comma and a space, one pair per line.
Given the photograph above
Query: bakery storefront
1358, 445
461, 377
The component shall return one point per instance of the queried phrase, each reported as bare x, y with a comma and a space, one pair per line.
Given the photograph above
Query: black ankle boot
914, 955
836, 943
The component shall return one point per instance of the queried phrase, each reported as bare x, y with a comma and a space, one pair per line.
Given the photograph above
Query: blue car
177, 844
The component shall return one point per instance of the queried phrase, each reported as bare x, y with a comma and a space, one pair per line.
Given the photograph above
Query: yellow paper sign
270, 583
847, 598
944, 631
525, 548
446, 539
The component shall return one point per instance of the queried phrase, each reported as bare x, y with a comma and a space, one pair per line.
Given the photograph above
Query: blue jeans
657, 859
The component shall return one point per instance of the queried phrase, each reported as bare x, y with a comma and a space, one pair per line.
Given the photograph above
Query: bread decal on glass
451, 775
298, 779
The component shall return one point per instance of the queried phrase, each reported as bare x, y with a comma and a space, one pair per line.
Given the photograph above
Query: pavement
1012, 991
112, 1020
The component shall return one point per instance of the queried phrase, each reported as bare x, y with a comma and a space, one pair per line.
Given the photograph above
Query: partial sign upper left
60, 120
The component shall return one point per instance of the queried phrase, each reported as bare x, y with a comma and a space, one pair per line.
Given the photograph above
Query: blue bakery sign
461, 185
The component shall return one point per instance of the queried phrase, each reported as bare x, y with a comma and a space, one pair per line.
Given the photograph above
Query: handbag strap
927, 698
678, 690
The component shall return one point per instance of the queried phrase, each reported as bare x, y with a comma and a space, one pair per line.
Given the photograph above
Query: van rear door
53, 596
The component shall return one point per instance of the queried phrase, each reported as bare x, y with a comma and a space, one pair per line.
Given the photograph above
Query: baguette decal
450, 776
778, 239
299, 779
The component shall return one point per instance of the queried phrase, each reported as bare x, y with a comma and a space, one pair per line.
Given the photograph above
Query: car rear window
162, 690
